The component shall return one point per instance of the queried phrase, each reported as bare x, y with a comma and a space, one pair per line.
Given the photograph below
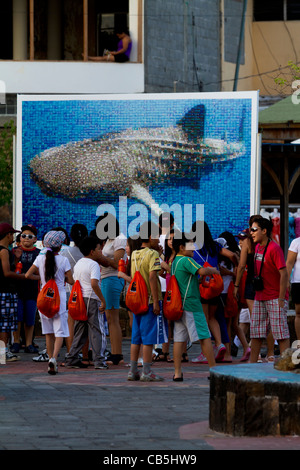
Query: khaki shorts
191, 327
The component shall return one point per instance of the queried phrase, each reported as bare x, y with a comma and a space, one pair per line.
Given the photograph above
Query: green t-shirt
186, 267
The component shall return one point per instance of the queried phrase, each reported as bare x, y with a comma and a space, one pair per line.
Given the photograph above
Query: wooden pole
140, 32
31, 30
85, 30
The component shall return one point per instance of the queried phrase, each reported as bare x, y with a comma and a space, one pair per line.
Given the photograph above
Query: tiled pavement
92, 409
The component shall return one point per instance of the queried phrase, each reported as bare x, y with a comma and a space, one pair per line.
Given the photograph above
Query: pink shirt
274, 261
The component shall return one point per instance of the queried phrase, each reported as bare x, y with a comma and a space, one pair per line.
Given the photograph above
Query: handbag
258, 283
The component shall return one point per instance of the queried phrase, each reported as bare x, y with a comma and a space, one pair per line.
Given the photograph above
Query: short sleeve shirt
85, 270
185, 268
62, 266
295, 248
273, 262
109, 249
146, 260
203, 255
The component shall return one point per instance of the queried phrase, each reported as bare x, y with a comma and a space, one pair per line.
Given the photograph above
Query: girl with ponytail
52, 265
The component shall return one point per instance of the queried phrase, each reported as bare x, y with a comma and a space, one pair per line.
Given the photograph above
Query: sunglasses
253, 229
30, 237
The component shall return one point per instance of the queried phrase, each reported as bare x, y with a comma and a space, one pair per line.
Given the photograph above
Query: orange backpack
212, 285
137, 297
173, 305
76, 305
48, 300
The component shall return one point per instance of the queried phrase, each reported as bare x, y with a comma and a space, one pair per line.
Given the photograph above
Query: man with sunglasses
27, 290
271, 296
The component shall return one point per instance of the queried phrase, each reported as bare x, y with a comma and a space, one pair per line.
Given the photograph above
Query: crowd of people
250, 305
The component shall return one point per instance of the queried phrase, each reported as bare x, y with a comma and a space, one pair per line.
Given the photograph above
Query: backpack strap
186, 291
145, 252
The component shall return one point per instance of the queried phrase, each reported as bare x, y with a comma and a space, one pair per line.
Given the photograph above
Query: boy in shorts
271, 298
149, 328
193, 325
87, 272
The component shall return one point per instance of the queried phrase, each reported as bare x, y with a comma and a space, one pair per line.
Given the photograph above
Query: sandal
162, 357
178, 379
114, 359
184, 357
270, 358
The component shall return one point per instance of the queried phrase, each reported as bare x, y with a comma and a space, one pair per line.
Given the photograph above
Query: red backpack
76, 305
137, 297
173, 305
48, 300
211, 285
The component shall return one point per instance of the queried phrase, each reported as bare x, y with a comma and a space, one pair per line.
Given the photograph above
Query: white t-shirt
85, 270
118, 243
295, 247
62, 266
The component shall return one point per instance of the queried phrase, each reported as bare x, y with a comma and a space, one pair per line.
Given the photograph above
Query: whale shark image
127, 163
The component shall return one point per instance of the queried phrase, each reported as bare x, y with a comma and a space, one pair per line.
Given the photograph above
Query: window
268, 10
276, 10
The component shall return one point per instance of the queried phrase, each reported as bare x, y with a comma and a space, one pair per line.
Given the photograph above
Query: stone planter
254, 400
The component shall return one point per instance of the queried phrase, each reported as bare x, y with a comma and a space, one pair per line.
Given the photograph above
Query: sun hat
54, 239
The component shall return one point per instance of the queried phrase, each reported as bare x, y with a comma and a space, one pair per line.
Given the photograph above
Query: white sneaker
43, 357
10, 357
52, 366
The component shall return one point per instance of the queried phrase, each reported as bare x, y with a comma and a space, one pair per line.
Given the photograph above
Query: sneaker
102, 365
43, 357
10, 357
31, 349
220, 353
200, 359
151, 377
133, 376
52, 366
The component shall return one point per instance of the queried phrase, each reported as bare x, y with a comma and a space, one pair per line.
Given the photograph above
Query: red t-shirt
274, 261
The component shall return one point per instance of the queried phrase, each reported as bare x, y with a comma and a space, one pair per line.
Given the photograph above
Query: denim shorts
111, 288
27, 311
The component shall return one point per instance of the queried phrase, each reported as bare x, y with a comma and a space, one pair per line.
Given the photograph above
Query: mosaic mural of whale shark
127, 163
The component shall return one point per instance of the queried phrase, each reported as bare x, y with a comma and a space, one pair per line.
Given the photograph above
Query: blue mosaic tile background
223, 188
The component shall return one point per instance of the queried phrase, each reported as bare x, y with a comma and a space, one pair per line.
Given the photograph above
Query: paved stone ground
100, 410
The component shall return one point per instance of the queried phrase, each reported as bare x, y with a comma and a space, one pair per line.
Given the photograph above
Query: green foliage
292, 74
6, 163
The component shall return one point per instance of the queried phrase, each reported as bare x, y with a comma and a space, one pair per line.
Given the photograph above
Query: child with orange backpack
150, 327
53, 267
192, 326
87, 272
